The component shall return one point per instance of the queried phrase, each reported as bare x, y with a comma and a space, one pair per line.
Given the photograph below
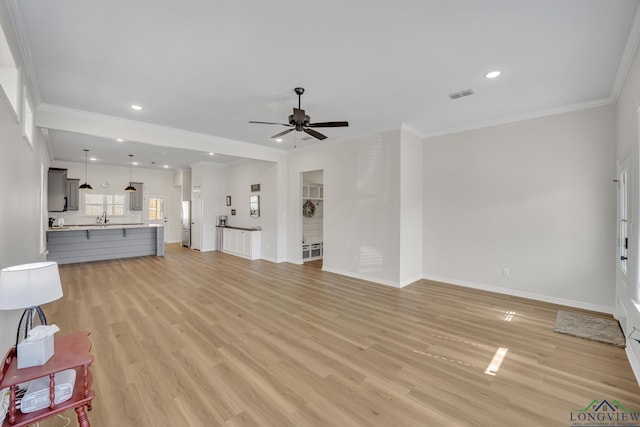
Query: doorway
313, 218
155, 210
196, 218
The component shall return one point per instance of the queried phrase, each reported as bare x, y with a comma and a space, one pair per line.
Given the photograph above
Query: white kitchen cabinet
243, 243
312, 251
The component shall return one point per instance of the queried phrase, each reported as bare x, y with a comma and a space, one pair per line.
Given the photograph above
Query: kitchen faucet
104, 217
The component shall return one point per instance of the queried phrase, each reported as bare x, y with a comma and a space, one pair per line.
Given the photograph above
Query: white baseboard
634, 361
407, 282
523, 294
362, 277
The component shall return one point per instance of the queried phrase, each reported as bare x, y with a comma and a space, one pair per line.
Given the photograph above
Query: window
96, 204
156, 210
9, 75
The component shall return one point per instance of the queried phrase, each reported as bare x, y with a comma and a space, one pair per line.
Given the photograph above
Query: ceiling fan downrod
299, 91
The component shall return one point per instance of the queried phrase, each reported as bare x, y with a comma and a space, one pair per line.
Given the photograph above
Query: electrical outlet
505, 272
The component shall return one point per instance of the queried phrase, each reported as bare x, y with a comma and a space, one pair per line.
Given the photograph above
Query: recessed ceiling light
93, 159
492, 74
165, 166
212, 154
136, 107
119, 139
279, 140
135, 163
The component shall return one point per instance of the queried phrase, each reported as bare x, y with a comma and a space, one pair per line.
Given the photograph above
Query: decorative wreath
308, 209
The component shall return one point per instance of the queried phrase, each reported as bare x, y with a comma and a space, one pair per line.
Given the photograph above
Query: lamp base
31, 317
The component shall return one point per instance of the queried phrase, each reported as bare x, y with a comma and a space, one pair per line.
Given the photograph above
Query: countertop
238, 228
102, 226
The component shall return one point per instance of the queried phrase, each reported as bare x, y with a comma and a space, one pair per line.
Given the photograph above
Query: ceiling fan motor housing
299, 120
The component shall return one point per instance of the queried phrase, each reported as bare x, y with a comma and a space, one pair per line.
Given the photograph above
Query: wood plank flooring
209, 339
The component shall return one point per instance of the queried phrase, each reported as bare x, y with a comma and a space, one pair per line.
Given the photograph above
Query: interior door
196, 218
155, 211
623, 276
623, 216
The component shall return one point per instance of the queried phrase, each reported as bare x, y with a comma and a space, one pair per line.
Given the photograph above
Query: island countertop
102, 226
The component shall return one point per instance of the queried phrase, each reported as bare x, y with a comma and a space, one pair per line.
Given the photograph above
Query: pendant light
130, 187
85, 186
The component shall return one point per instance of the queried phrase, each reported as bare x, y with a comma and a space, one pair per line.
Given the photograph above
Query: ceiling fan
302, 123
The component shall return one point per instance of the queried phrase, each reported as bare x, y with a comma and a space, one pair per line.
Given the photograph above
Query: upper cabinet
313, 191
73, 193
57, 189
135, 197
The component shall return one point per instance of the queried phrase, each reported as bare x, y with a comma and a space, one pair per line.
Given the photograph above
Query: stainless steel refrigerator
185, 216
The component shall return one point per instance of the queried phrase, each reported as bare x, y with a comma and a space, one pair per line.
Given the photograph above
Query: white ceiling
210, 67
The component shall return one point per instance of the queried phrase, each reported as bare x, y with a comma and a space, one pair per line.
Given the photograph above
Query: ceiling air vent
461, 94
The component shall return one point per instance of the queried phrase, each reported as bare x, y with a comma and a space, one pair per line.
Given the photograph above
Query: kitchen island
83, 243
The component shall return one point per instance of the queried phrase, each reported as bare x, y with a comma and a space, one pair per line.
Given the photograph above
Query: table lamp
28, 286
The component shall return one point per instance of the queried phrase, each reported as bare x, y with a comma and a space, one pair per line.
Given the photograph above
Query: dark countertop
238, 228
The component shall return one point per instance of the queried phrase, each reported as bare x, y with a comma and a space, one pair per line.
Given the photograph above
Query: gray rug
590, 327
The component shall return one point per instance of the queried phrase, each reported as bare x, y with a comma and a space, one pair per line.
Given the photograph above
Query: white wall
238, 179
211, 179
219, 181
536, 197
411, 194
361, 205
628, 145
20, 191
156, 182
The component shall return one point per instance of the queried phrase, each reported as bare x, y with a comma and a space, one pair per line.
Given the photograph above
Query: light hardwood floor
209, 339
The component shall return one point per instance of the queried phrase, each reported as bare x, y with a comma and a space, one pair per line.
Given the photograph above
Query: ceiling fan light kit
300, 122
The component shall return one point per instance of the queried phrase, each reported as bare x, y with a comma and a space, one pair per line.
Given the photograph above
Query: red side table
71, 352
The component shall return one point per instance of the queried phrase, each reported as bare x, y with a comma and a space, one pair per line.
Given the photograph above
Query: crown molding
526, 116
628, 54
411, 129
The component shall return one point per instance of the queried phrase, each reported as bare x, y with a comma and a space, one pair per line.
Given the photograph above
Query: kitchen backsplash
75, 218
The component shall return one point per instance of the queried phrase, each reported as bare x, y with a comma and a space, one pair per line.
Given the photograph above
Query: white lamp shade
29, 285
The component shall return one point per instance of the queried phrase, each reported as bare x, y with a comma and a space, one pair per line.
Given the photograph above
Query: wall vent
461, 94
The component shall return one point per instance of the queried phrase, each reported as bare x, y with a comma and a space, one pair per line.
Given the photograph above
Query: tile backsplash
76, 218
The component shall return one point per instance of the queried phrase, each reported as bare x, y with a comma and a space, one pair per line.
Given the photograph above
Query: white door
623, 216
155, 208
623, 276
196, 218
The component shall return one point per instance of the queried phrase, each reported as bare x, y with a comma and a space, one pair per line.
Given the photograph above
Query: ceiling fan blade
283, 133
328, 124
315, 134
270, 123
